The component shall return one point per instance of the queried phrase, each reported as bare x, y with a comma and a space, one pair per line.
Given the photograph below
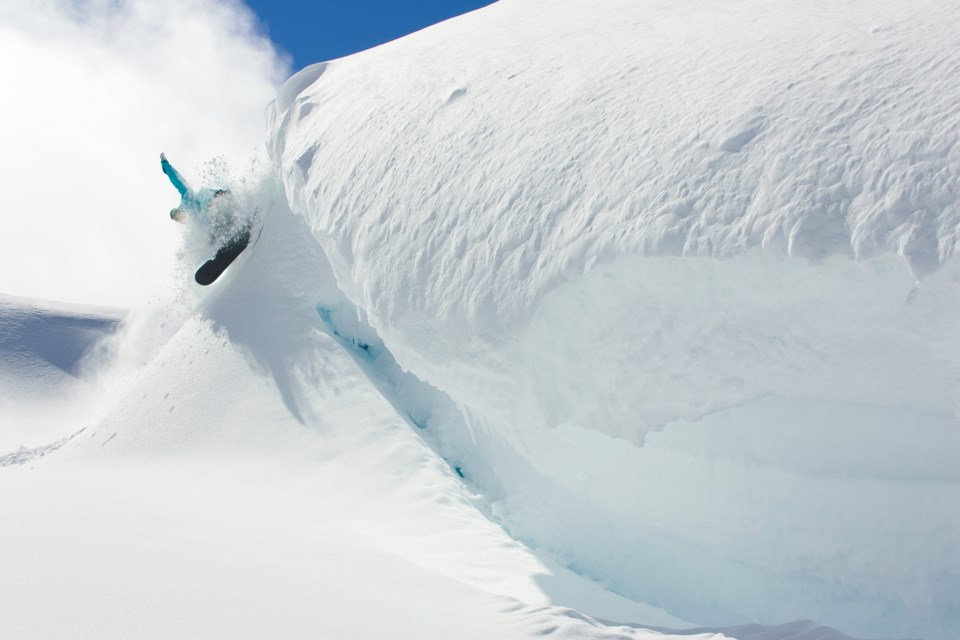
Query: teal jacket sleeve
175, 178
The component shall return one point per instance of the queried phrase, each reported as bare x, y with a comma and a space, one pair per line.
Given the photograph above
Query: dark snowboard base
210, 270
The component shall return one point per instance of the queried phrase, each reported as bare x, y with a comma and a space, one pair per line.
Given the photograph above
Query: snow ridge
712, 244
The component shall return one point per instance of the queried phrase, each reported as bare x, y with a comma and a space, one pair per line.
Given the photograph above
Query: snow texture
253, 456
23, 455
687, 272
271, 472
46, 362
630, 319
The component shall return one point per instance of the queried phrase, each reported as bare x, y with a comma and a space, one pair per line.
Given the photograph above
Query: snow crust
687, 272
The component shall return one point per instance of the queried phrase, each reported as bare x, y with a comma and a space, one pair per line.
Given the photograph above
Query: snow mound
664, 259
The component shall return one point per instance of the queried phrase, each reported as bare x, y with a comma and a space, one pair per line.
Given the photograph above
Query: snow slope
687, 271
43, 383
577, 322
252, 480
259, 477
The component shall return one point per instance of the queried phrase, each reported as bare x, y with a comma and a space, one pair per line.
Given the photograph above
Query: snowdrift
576, 320
255, 478
687, 274
265, 474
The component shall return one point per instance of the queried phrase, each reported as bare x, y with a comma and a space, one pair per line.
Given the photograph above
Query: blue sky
313, 31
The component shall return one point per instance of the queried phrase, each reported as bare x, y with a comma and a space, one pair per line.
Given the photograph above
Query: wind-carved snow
262, 454
687, 271
612, 317
47, 356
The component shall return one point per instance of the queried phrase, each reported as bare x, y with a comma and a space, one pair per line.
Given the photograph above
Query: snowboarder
212, 208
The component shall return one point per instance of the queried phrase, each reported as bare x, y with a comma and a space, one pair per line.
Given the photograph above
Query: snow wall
686, 270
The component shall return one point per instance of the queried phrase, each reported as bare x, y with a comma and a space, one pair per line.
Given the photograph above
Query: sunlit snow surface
687, 271
566, 319
251, 480
261, 477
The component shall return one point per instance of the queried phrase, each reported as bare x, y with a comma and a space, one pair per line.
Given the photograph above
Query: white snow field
629, 319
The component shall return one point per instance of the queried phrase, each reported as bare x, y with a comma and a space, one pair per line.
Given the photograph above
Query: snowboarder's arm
175, 178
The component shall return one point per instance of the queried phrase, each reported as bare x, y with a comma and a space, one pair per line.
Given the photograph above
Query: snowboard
212, 269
